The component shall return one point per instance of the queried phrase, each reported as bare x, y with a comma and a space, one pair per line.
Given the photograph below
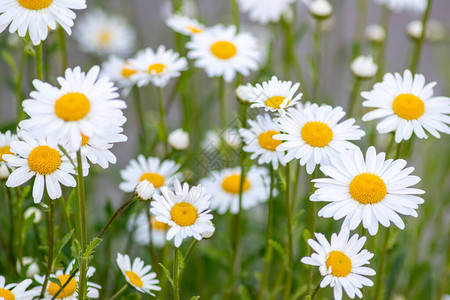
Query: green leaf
90, 249
55, 280
306, 235
195, 298
60, 245
167, 274
180, 261
244, 293
76, 249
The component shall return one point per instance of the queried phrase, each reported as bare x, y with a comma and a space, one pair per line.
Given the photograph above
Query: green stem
19, 228
162, 116
311, 224
290, 247
360, 26
354, 96
38, 57
223, 104
418, 48
385, 14
316, 289
176, 292
114, 216
11, 224
51, 217
189, 250
235, 10
318, 59
83, 231
153, 254
380, 271
140, 113
20, 113
119, 292
74, 272
268, 254
63, 47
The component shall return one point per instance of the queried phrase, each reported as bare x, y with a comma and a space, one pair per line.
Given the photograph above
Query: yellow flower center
157, 68
134, 278
126, 71
408, 106
184, 214
68, 290
340, 264
367, 188
275, 101
154, 178
104, 37
6, 294
232, 183
223, 49
84, 140
158, 225
5, 150
267, 141
72, 107
35, 4
317, 134
44, 160
194, 29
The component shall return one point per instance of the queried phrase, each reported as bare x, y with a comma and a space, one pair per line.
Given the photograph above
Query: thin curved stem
51, 217
114, 216
163, 123
418, 48
119, 292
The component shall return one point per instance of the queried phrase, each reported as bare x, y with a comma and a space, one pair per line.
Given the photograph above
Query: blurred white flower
185, 25
321, 9
35, 212
265, 11
245, 93
31, 267
417, 6
364, 67
375, 33
179, 139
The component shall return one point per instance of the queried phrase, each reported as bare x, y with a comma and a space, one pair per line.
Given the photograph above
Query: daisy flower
221, 51
406, 105
85, 104
37, 17
43, 160
185, 25
105, 34
417, 6
265, 11
259, 140
312, 134
151, 169
276, 95
70, 291
118, 70
140, 225
370, 191
225, 184
156, 67
17, 290
5, 148
341, 262
185, 210
138, 275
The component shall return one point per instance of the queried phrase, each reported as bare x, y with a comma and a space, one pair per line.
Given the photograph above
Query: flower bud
144, 190
375, 33
321, 9
244, 93
364, 67
179, 139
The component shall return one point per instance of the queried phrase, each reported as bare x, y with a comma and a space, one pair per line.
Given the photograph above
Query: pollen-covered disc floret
265, 11
225, 185
185, 25
370, 190
259, 141
138, 274
341, 262
276, 95
38, 17
70, 291
43, 160
186, 210
156, 67
17, 291
85, 104
417, 6
313, 134
151, 169
102, 33
222, 51
406, 105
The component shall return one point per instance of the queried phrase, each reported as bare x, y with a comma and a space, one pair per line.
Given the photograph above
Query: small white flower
105, 34
144, 190
17, 290
375, 33
414, 29
138, 275
185, 25
368, 191
118, 70
37, 18
5, 148
364, 67
245, 93
265, 11
321, 9
341, 261
29, 265
35, 212
417, 6
185, 210
179, 139
156, 67
223, 52
406, 105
